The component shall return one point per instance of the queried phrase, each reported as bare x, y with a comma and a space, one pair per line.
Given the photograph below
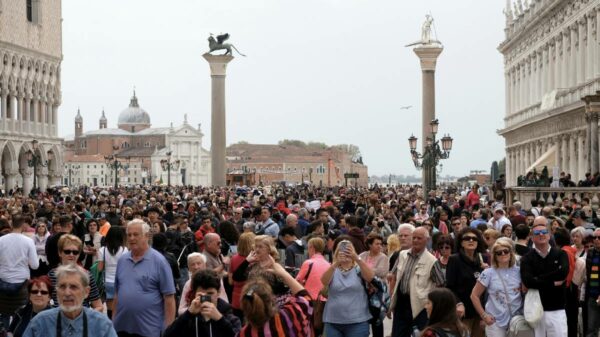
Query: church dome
134, 115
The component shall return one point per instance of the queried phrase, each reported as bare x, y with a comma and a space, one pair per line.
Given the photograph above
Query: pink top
319, 266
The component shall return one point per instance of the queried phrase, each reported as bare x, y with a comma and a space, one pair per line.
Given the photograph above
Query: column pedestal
27, 175
428, 55
218, 68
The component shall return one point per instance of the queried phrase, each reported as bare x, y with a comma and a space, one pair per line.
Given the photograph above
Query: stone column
564, 147
573, 56
27, 175
573, 156
581, 154
551, 62
592, 110
590, 48
558, 62
544, 81
428, 55
581, 52
218, 71
507, 93
42, 178
597, 43
507, 163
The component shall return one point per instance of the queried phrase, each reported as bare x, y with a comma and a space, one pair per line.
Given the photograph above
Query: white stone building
30, 91
552, 80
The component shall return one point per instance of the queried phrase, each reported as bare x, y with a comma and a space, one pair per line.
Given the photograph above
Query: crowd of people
295, 261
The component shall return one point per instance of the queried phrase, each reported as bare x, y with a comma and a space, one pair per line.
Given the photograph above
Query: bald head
212, 243
540, 221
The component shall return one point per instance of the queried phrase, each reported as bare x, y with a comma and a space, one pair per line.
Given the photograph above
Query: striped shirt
94, 294
292, 320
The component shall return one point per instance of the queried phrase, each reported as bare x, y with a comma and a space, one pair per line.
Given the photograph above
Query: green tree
351, 149
291, 142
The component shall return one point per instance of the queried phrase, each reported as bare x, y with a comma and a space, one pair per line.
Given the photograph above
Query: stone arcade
552, 82
30, 91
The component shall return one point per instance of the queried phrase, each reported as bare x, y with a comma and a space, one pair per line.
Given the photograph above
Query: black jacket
461, 276
192, 325
541, 273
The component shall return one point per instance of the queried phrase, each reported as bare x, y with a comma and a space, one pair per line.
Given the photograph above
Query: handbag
378, 298
318, 308
533, 310
517, 326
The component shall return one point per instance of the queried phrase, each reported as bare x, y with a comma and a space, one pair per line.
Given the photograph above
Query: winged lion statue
219, 44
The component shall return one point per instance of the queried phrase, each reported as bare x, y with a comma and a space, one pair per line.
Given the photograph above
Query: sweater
461, 276
541, 272
192, 325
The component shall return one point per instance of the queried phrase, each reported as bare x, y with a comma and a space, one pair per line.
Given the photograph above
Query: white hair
145, 226
196, 254
290, 217
581, 231
408, 226
71, 269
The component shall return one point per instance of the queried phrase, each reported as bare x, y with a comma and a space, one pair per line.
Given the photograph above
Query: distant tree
502, 167
318, 145
242, 142
352, 150
291, 142
494, 172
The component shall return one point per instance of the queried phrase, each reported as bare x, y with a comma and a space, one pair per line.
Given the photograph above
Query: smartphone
205, 298
343, 245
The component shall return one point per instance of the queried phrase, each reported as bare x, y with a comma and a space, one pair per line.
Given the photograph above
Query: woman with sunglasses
69, 248
39, 300
503, 284
445, 248
462, 272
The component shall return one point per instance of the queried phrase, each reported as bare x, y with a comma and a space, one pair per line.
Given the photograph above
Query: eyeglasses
70, 252
445, 247
38, 292
456, 224
469, 238
540, 231
502, 252
596, 237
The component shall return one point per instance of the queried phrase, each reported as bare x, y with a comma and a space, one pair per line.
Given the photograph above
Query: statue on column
426, 39
219, 44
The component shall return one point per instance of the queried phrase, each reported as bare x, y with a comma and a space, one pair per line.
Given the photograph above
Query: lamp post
73, 169
168, 165
431, 156
113, 163
34, 160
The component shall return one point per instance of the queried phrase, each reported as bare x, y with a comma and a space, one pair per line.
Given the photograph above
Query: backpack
379, 298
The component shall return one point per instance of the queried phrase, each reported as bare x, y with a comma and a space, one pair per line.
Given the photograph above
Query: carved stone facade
552, 62
30, 91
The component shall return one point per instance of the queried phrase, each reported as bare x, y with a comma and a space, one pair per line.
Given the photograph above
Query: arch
8, 158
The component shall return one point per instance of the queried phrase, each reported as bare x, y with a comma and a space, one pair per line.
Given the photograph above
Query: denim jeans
10, 289
347, 330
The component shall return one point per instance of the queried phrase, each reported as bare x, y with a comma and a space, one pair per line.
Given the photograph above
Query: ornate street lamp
113, 163
168, 165
34, 160
429, 160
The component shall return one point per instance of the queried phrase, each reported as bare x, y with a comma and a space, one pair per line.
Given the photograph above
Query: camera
205, 298
380, 224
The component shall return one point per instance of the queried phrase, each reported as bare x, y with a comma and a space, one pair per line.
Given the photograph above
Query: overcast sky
334, 71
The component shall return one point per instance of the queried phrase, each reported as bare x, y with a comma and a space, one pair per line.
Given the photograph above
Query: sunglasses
501, 252
38, 292
596, 237
470, 238
540, 231
70, 252
456, 224
445, 247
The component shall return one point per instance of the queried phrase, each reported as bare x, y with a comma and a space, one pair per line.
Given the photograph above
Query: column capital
428, 56
218, 63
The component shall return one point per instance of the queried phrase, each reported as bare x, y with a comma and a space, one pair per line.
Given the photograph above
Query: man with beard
70, 318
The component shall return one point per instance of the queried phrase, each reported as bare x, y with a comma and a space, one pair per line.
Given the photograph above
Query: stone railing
551, 195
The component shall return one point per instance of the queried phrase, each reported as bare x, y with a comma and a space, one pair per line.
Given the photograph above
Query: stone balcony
17, 127
551, 195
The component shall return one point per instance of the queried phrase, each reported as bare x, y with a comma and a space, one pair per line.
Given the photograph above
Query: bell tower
103, 120
78, 124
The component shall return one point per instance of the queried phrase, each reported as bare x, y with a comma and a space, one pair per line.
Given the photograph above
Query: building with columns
30, 92
139, 147
552, 82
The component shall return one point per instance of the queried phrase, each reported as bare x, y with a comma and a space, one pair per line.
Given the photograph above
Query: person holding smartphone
207, 315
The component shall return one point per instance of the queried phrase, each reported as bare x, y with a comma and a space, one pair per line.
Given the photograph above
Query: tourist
344, 281
578, 236
91, 243
144, 287
443, 321
461, 276
503, 285
378, 262
207, 314
108, 257
545, 268
39, 300
244, 248
445, 248
71, 317
39, 239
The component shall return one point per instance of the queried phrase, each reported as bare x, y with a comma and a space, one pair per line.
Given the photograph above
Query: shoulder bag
517, 326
